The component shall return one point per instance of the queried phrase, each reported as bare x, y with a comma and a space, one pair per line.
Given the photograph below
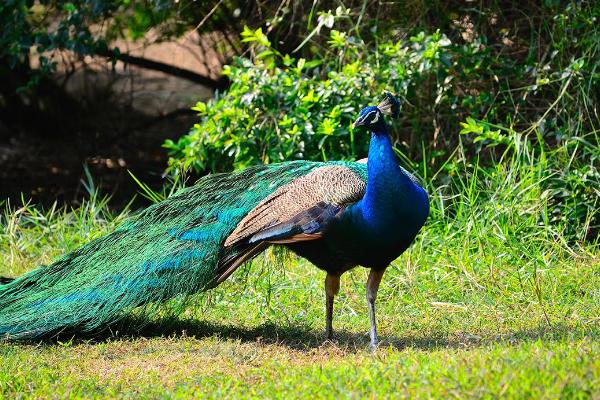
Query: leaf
69, 7
300, 65
200, 107
312, 63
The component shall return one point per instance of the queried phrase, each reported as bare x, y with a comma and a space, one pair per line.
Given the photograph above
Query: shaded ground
116, 121
50, 168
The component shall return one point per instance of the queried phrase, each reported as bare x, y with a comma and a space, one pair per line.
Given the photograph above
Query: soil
126, 115
45, 170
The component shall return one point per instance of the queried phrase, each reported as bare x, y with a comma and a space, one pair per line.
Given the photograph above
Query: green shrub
463, 100
279, 108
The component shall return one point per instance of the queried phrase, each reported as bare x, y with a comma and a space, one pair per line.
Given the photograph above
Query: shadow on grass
305, 339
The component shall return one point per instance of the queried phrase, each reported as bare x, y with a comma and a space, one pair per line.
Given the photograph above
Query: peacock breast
376, 234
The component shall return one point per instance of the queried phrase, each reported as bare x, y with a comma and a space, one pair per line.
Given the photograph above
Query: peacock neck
384, 173
388, 189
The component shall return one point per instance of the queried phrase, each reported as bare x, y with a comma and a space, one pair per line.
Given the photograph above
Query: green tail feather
170, 249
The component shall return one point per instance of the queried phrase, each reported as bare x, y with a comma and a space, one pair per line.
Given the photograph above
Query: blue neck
389, 189
385, 175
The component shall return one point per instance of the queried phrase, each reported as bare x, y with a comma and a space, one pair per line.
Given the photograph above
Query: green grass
444, 335
494, 299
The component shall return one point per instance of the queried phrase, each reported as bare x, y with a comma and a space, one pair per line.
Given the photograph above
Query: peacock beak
358, 123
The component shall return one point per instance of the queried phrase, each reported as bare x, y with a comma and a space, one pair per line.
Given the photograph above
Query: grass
262, 336
492, 300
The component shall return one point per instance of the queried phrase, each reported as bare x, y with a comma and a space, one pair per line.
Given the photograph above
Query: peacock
337, 215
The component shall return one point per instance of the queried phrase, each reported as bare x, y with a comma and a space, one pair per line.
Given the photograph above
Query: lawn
476, 311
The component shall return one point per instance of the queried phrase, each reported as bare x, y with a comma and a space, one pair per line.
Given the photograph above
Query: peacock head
371, 117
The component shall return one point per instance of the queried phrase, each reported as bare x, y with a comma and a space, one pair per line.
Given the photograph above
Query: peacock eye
371, 117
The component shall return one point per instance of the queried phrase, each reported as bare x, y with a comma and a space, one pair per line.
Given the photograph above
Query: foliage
33, 33
37, 30
443, 81
481, 90
301, 109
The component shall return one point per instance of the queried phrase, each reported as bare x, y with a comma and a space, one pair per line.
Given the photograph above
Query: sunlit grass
262, 336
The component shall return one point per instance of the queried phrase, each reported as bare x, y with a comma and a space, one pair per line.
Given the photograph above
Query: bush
279, 108
474, 96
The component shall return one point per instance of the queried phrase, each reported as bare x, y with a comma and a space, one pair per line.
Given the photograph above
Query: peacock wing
297, 211
300, 209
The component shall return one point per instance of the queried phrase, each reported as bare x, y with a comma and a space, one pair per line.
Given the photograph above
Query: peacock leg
332, 287
372, 286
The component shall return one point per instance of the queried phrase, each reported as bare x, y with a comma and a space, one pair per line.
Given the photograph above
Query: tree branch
192, 76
